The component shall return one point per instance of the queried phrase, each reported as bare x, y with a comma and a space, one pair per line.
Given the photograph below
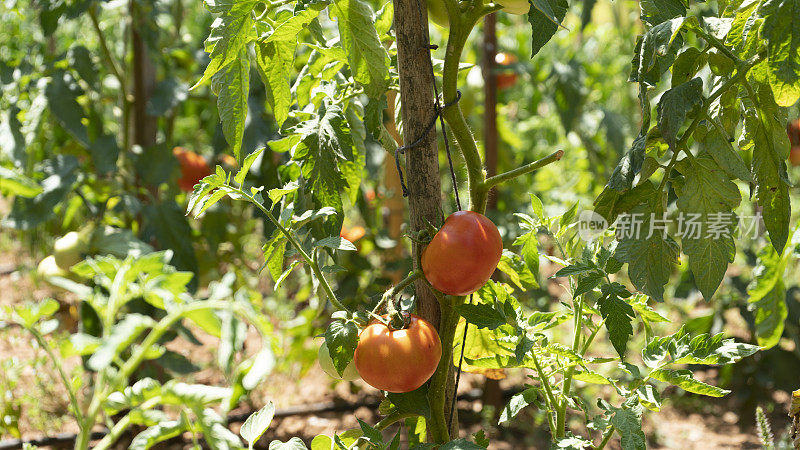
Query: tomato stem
306, 257
394, 290
522, 170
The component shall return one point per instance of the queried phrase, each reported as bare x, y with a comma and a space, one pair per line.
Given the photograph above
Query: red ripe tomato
506, 79
506, 76
398, 360
793, 130
193, 168
463, 254
794, 155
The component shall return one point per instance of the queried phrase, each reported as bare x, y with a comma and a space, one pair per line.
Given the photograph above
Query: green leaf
274, 61
655, 12
277, 194
675, 105
60, 175
710, 197
215, 432
781, 29
257, 423
167, 95
274, 251
336, 243
263, 363
658, 48
768, 297
288, 30
228, 37
30, 313
165, 223
628, 422
627, 168
193, 395
545, 17
325, 143
371, 434
158, 433
248, 162
517, 270
341, 339
686, 65
123, 334
367, 58
294, 443
517, 403
684, 380
772, 192
587, 376
414, 402
743, 35
481, 315
231, 84
618, 315
720, 148
650, 259
62, 99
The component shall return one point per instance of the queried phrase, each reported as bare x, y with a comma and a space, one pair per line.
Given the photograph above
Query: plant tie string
437, 115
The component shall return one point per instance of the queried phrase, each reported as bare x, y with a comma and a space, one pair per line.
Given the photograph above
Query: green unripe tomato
437, 13
67, 250
325, 361
49, 268
520, 7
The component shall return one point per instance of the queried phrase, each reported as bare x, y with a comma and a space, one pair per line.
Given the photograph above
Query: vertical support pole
422, 161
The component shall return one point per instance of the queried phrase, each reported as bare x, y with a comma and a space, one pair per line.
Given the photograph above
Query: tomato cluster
458, 261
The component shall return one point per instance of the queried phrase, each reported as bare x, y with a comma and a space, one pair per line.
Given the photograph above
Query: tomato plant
314, 111
398, 360
463, 254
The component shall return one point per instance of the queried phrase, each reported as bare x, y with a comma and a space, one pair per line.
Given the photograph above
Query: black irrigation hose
61, 439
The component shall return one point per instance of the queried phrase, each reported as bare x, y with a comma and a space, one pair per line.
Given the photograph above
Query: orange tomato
398, 360
505, 59
227, 160
463, 254
193, 168
352, 234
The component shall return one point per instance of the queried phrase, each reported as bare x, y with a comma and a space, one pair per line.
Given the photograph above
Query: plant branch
606, 437
410, 279
576, 342
522, 170
306, 257
713, 41
107, 53
116, 431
